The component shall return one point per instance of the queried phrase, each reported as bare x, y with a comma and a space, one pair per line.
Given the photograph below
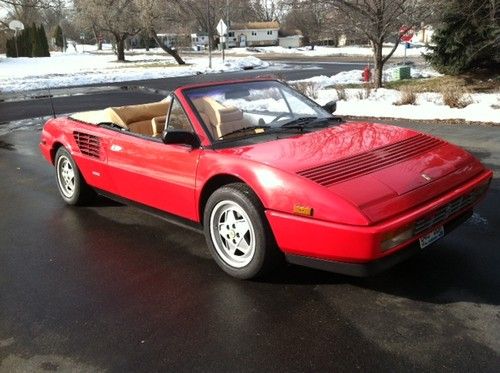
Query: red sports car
270, 175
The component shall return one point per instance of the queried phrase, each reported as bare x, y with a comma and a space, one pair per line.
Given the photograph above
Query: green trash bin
402, 72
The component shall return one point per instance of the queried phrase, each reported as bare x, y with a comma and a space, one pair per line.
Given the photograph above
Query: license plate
431, 237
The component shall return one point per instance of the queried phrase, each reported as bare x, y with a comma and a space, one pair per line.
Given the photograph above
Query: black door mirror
330, 106
180, 137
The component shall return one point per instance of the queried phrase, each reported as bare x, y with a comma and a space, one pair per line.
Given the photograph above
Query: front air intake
89, 145
374, 160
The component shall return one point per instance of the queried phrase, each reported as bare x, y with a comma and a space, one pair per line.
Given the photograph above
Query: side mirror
330, 106
180, 137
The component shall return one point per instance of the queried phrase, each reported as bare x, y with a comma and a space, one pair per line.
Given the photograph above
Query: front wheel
237, 232
72, 187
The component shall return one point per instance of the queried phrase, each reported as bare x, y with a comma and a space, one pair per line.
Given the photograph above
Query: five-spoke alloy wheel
237, 232
72, 187
232, 233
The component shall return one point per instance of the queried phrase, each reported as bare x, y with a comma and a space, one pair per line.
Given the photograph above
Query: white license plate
431, 237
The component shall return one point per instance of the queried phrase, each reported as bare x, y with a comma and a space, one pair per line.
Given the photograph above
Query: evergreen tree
43, 41
37, 50
25, 42
31, 42
10, 48
468, 37
58, 36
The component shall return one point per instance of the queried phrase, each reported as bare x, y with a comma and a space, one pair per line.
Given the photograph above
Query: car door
158, 175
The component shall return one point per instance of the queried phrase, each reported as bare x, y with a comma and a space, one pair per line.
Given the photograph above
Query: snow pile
232, 64
72, 69
382, 103
355, 76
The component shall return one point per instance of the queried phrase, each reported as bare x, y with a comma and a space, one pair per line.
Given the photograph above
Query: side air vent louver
365, 163
88, 144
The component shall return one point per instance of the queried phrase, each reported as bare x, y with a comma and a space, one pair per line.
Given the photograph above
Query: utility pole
209, 29
225, 45
15, 41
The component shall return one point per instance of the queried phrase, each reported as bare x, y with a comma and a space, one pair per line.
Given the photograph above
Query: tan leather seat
136, 118
221, 119
158, 124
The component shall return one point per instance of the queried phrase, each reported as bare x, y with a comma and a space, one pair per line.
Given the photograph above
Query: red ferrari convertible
268, 175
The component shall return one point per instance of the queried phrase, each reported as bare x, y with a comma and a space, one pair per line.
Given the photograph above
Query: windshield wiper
323, 122
244, 129
298, 122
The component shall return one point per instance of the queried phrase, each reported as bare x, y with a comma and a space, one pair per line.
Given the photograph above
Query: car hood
370, 165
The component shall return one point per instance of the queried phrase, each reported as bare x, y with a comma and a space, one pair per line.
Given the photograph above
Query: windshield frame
282, 86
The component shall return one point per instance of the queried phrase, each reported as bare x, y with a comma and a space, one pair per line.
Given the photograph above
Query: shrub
341, 93
456, 97
367, 90
309, 89
408, 97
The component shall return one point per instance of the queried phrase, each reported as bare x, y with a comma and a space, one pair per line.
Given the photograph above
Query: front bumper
375, 266
322, 244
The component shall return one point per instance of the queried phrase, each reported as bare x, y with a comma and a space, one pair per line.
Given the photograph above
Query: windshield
238, 110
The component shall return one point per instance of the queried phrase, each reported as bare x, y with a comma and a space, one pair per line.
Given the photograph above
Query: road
110, 288
291, 70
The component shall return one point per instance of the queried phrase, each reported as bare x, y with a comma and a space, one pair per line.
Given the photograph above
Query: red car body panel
383, 184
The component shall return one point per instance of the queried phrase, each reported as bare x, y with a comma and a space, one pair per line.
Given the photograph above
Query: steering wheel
282, 115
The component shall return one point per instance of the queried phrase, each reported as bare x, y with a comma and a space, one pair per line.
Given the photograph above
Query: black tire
266, 255
80, 193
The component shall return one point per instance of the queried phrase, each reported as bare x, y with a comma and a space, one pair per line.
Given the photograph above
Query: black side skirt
174, 219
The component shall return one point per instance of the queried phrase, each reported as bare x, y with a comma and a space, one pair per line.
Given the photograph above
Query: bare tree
117, 17
26, 11
268, 10
314, 18
381, 21
158, 13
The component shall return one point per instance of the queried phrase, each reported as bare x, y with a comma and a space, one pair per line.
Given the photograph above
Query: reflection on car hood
308, 150
369, 164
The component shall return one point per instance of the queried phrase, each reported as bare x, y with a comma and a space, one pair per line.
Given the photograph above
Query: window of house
231, 33
270, 32
254, 33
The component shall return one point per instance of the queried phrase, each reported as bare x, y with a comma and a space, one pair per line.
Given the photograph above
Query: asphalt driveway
110, 288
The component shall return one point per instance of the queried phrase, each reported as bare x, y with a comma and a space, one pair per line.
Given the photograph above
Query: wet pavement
110, 288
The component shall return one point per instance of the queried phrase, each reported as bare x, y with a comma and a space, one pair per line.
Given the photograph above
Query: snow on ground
484, 107
355, 76
415, 51
72, 68
78, 68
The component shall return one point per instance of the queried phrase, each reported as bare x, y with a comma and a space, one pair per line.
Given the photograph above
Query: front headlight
396, 237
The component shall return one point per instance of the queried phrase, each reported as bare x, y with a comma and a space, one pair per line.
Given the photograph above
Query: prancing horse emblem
426, 177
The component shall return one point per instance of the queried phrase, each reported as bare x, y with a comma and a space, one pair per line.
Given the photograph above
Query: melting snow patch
477, 219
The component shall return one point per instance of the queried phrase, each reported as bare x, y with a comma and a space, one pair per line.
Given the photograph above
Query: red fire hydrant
367, 74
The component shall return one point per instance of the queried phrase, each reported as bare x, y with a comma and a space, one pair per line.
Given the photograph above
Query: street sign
221, 28
406, 34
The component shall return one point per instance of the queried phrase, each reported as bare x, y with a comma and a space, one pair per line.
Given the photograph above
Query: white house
199, 41
253, 34
291, 41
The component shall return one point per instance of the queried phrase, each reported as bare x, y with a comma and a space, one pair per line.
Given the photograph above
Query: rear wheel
72, 187
237, 232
